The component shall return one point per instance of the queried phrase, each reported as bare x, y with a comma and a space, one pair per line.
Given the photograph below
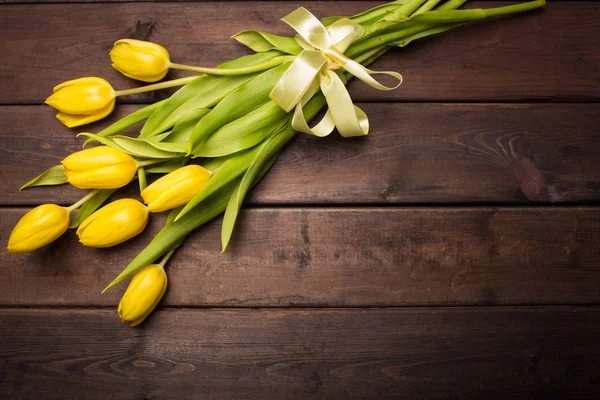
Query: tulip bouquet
220, 133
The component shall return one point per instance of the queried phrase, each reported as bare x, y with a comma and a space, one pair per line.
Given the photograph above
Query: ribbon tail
349, 120
322, 129
364, 74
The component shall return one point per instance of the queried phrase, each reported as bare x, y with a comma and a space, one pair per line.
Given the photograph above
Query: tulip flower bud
82, 101
40, 226
99, 167
113, 224
176, 188
144, 292
137, 59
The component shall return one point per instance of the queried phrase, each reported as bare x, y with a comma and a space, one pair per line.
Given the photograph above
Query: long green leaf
90, 206
185, 125
244, 132
262, 41
103, 140
52, 176
203, 92
175, 231
167, 166
231, 169
265, 156
144, 148
238, 103
212, 164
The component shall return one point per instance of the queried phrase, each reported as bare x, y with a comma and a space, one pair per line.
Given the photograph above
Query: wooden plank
547, 55
161, 1
303, 354
416, 153
338, 257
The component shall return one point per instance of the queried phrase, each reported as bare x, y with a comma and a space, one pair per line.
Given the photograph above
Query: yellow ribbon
318, 67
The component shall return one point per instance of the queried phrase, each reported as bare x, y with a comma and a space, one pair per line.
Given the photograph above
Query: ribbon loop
315, 68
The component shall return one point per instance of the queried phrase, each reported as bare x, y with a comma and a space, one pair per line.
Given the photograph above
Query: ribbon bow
318, 67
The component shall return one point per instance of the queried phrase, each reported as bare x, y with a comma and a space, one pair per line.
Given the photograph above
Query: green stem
81, 201
454, 16
376, 12
515, 8
142, 178
163, 262
427, 6
156, 86
375, 35
407, 8
235, 71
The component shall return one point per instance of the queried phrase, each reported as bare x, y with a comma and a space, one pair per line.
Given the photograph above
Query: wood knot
529, 178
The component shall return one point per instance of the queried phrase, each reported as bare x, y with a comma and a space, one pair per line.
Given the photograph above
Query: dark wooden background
452, 253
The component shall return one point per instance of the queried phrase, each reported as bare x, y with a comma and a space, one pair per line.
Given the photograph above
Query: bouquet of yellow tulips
219, 134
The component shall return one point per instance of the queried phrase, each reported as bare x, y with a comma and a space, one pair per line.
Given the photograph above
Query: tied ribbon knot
319, 66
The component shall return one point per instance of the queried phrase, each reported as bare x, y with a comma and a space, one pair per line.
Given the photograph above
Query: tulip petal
137, 59
38, 227
74, 120
176, 188
82, 96
143, 294
114, 223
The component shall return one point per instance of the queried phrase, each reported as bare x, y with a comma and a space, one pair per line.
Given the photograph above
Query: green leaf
238, 103
188, 90
262, 42
52, 176
103, 140
128, 121
167, 166
144, 148
173, 214
90, 206
244, 132
229, 170
260, 166
204, 92
212, 164
185, 124
176, 231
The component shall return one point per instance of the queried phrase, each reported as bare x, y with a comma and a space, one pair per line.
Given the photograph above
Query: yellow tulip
40, 226
175, 189
144, 292
99, 167
82, 100
113, 224
137, 59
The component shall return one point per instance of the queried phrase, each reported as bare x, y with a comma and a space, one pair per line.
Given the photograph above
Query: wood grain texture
416, 153
338, 257
304, 354
547, 55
